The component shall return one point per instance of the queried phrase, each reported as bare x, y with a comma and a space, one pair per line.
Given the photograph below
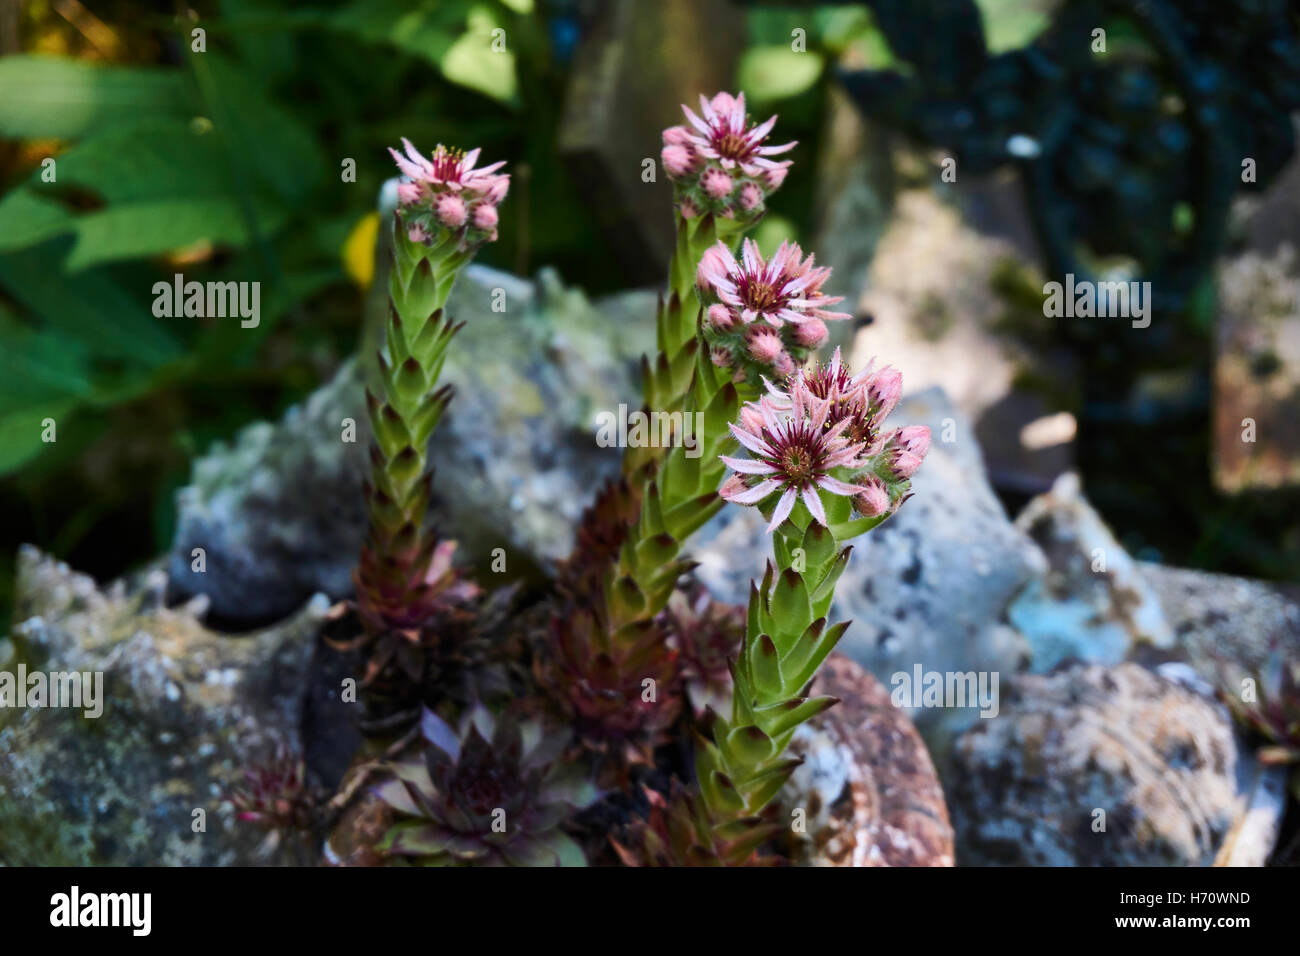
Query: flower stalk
446, 211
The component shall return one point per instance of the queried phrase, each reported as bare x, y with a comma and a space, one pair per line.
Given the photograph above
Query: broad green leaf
27, 219
769, 73
138, 229
91, 308
482, 61
20, 432
59, 98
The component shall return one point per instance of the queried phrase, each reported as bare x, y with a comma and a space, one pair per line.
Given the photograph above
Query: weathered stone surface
867, 784
929, 586
1226, 627
186, 711
1161, 761
1093, 605
279, 511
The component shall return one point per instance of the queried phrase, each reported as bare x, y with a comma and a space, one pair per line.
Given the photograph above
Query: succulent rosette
490, 792
720, 163
764, 316
276, 795
444, 201
823, 436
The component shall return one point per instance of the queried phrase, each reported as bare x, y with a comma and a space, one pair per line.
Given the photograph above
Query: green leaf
769, 73
92, 308
20, 432
26, 218
144, 229
59, 98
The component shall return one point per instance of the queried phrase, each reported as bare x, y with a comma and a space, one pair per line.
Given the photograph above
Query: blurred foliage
225, 164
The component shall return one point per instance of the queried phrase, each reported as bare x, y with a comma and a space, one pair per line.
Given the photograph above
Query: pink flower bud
408, 194
915, 439
775, 177
750, 196
450, 210
485, 216
417, 233
677, 136
720, 357
687, 208
884, 388
497, 189
810, 333
765, 346
735, 485
783, 364
716, 183
751, 418
720, 317
873, 500
677, 160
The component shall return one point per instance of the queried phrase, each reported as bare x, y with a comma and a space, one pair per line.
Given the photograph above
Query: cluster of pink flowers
764, 314
823, 433
445, 196
720, 164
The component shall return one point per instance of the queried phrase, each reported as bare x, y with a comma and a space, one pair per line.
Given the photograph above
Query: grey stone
1093, 605
185, 711
1161, 762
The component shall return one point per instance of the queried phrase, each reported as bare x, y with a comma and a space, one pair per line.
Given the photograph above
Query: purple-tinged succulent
275, 794
490, 792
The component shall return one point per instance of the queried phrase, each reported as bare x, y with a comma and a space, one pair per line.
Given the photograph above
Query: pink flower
793, 451
687, 208
720, 163
446, 167
779, 290
724, 135
445, 194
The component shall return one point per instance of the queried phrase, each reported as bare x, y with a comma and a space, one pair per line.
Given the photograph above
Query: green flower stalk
822, 472
446, 210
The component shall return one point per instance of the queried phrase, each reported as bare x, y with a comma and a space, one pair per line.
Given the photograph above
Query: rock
867, 784
185, 711
279, 511
929, 586
1094, 604
1226, 627
1162, 763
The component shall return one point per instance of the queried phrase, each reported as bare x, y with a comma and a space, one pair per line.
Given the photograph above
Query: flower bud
765, 346
450, 210
720, 317
750, 196
810, 333
873, 500
677, 160
717, 183
485, 217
